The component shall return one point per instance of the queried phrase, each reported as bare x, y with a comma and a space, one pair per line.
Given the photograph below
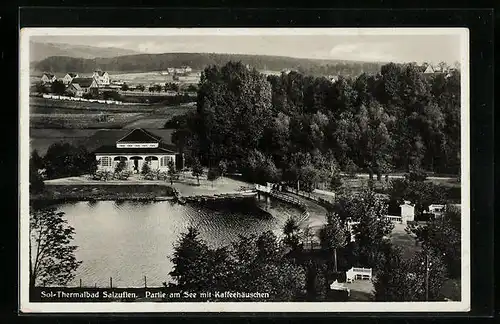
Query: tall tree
197, 170
52, 257
190, 259
373, 228
443, 237
234, 105
172, 172
334, 235
291, 229
417, 279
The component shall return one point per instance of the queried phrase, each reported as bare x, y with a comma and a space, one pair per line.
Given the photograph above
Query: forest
299, 127
198, 61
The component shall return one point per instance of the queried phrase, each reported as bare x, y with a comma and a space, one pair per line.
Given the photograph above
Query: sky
372, 48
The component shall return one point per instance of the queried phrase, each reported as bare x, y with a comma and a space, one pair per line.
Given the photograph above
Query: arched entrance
153, 162
136, 163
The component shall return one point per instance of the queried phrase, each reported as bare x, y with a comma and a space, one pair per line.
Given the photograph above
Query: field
152, 77
50, 113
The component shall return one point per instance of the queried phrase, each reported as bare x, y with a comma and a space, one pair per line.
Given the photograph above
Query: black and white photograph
244, 170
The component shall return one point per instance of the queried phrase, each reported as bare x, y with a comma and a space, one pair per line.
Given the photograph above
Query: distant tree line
310, 128
198, 61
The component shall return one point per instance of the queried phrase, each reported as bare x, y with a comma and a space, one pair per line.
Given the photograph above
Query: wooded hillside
198, 61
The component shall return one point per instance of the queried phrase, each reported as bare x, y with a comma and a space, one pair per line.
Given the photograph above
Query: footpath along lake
129, 240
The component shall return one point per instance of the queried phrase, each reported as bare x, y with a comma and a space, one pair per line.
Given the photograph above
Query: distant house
48, 78
182, 70
75, 90
333, 78
429, 69
437, 210
101, 77
69, 77
88, 85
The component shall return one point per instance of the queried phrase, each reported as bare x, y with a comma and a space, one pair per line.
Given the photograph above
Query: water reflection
128, 240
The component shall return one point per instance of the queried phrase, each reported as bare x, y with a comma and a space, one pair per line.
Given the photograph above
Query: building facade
101, 77
69, 77
48, 78
135, 149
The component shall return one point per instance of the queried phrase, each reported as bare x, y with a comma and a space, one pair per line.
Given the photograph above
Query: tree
125, 87
334, 235
52, 257
58, 87
36, 165
259, 168
233, 103
222, 167
120, 166
140, 87
190, 260
65, 160
197, 169
250, 264
443, 237
172, 172
212, 175
422, 194
417, 279
146, 169
373, 228
291, 229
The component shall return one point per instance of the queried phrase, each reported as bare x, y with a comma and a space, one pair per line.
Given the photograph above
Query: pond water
130, 240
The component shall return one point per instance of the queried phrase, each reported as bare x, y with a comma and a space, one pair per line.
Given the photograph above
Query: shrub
145, 169
163, 175
416, 176
152, 175
120, 166
103, 175
123, 175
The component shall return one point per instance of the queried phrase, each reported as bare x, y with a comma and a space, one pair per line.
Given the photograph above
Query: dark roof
76, 86
83, 82
101, 73
140, 135
112, 149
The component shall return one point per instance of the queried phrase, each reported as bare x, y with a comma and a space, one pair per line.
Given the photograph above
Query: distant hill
198, 61
41, 51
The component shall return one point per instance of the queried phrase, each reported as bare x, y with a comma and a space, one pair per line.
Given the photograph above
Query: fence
358, 273
108, 102
110, 285
282, 197
324, 202
394, 218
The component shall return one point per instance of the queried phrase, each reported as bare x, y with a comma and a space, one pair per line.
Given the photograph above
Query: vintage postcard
244, 170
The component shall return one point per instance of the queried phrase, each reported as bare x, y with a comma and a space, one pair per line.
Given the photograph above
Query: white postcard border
189, 307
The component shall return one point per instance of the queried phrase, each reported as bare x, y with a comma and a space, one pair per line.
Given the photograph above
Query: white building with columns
136, 148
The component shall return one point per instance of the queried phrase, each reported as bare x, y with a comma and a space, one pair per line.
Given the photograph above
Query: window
106, 161
164, 161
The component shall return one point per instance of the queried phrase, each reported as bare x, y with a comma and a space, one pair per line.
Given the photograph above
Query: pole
145, 282
110, 282
426, 276
80, 282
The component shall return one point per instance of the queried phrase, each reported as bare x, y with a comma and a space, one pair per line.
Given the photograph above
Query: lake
130, 240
